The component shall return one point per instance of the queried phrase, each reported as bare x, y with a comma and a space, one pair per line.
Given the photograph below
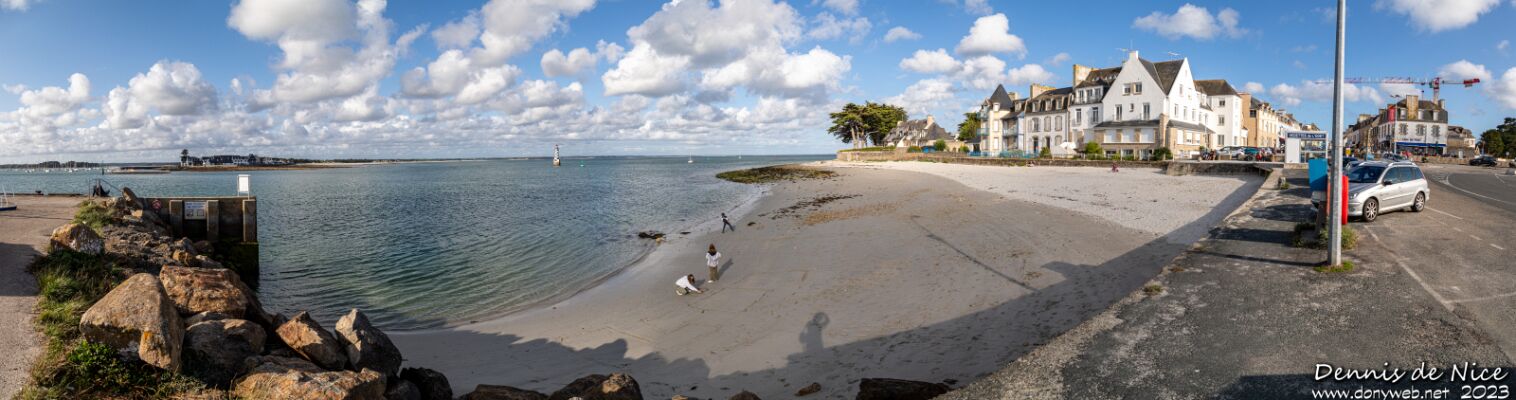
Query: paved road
1462, 250
23, 233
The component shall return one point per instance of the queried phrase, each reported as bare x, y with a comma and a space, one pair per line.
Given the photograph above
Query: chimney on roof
1412, 103
1132, 55
1440, 104
1364, 117
930, 121
1038, 90
1081, 73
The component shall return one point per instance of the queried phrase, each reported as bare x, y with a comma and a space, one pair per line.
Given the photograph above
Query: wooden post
212, 220
250, 221
176, 217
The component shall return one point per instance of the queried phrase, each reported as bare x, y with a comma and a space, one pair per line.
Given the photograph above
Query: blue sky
404, 79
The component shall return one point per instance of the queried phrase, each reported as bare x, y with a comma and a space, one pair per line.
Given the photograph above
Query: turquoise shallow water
430, 244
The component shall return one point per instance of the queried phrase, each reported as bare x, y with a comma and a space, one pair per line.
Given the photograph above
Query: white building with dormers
1130, 110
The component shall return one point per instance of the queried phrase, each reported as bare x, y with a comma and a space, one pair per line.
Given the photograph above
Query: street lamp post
1334, 167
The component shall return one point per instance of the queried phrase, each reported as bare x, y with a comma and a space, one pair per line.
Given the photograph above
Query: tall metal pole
1334, 175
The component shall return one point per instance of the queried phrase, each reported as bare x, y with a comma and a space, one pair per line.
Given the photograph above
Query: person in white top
712, 258
686, 285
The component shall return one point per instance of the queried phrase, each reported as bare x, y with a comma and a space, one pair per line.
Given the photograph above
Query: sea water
424, 245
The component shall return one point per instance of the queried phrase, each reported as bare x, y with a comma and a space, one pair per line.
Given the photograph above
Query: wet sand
901, 275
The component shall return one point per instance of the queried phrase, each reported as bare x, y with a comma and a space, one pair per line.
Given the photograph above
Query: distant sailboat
692, 160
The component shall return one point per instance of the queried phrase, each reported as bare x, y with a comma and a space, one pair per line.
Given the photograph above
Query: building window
1111, 135
1421, 130
1131, 137
1139, 88
1436, 131
1147, 111
1402, 130
1058, 123
1078, 117
1118, 112
1147, 135
1223, 102
1095, 115
1036, 125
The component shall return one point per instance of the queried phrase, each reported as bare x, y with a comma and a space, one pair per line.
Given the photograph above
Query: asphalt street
1460, 250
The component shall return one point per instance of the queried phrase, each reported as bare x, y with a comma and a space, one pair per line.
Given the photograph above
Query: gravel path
23, 235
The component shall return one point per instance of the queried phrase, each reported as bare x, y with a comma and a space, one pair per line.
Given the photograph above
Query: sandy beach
918, 271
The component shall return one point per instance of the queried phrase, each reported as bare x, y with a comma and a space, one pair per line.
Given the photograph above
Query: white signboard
194, 210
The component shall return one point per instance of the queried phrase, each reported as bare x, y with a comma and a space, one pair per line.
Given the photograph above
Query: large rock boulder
366, 346
137, 318
899, 389
745, 395
400, 389
493, 392
78, 237
214, 350
292, 378
142, 249
307, 337
197, 290
600, 387
433, 385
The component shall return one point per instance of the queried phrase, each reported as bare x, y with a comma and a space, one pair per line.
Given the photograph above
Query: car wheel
1370, 210
1421, 202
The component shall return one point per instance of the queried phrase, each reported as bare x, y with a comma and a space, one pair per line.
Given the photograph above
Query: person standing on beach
726, 224
712, 258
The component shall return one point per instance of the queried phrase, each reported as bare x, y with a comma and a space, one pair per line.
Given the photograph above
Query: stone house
920, 132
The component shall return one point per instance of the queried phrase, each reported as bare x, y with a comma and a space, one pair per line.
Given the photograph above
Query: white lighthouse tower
556, 161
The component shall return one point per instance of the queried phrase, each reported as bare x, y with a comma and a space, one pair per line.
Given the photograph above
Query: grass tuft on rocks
69, 367
774, 174
93, 215
1152, 289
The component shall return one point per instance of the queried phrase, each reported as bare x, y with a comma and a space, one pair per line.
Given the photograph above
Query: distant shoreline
305, 166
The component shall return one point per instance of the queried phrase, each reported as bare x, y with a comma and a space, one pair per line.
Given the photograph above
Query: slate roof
1190, 126
918, 130
1165, 72
1000, 97
1127, 124
1100, 77
1215, 87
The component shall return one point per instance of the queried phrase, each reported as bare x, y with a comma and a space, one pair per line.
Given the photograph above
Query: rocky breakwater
180, 310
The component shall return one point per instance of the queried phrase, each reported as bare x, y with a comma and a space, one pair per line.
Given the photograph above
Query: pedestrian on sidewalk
712, 260
725, 223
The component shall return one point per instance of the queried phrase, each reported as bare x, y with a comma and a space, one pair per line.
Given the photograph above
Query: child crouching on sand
686, 285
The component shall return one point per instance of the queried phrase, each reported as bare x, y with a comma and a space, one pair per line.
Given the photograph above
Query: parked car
1377, 187
1483, 161
1249, 153
1349, 162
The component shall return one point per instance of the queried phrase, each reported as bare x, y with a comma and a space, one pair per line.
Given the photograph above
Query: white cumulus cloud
827, 26
991, 34
555, 63
900, 33
849, 7
930, 62
1312, 91
17, 5
1439, 15
1194, 22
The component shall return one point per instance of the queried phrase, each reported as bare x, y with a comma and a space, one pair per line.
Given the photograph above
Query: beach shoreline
856, 279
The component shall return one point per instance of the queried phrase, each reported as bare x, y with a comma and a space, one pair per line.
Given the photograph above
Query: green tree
1045, 153
969, 128
850, 124
865, 124
1494, 144
879, 119
939, 145
1163, 153
1092, 149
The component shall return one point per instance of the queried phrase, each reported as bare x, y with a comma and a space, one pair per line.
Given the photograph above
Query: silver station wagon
1377, 187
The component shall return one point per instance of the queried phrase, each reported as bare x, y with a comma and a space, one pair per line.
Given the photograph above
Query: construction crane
1434, 83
